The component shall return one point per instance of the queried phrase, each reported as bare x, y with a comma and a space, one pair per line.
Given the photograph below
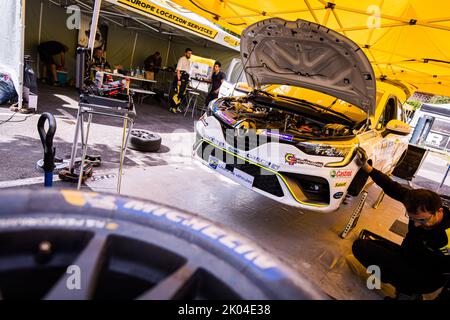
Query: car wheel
144, 140
66, 244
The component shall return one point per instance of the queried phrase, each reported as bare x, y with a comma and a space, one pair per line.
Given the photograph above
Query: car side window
400, 112
389, 113
236, 72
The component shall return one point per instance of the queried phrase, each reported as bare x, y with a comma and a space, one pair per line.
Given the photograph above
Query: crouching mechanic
421, 264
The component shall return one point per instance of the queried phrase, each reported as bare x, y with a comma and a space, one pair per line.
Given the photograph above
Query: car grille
264, 180
245, 143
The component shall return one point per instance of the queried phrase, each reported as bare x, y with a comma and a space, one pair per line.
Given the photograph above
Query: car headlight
323, 150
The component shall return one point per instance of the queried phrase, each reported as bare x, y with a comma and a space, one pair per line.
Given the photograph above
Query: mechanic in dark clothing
46, 52
216, 81
417, 266
153, 63
99, 61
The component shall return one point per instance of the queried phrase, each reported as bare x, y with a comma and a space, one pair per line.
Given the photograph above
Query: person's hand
361, 159
179, 82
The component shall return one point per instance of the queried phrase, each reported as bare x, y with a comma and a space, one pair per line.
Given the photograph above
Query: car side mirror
398, 127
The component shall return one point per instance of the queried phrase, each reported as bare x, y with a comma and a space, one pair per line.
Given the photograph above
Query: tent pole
134, 48
22, 51
168, 49
39, 39
94, 22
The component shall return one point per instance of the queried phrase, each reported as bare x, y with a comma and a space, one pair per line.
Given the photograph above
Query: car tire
144, 140
127, 248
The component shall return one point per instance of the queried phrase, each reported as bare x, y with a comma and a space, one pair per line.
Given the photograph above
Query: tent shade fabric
406, 40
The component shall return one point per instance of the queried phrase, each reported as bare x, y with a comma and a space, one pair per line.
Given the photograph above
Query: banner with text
172, 14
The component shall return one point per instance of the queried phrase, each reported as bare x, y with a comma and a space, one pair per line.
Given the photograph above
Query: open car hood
304, 54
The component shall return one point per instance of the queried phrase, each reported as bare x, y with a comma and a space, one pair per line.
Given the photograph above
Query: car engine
244, 114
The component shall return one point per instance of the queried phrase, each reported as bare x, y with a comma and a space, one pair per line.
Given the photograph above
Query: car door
389, 146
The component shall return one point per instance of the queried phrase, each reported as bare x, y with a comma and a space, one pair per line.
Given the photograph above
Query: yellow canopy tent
406, 40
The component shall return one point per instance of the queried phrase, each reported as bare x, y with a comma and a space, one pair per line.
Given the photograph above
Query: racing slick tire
127, 248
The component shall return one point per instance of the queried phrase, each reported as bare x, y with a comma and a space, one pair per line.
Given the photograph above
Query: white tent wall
11, 55
119, 44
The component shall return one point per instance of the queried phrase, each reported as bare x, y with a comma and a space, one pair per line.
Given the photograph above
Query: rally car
314, 100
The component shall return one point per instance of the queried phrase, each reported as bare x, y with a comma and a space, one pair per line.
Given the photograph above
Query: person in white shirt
181, 81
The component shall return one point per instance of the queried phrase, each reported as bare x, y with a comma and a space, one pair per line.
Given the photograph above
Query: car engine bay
243, 113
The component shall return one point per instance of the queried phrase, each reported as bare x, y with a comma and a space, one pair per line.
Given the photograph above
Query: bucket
62, 77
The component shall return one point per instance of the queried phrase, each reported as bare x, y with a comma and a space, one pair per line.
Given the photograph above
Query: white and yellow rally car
315, 100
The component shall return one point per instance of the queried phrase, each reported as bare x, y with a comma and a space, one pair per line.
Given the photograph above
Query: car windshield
319, 99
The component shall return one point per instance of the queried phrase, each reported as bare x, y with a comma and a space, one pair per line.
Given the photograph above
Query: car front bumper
269, 169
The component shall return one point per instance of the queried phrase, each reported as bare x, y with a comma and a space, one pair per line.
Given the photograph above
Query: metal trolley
90, 104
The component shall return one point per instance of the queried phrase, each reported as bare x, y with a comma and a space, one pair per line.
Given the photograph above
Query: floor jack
73, 175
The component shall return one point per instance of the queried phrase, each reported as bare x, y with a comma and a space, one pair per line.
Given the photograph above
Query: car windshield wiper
259, 91
317, 106
271, 95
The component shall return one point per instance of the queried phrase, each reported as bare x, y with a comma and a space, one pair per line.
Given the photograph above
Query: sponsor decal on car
338, 195
341, 173
340, 184
213, 162
263, 161
233, 150
244, 178
292, 159
279, 136
215, 141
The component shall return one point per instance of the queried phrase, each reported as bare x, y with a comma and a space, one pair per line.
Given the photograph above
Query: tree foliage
439, 100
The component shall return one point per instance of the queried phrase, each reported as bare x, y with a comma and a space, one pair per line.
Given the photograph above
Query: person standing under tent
216, 80
181, 81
